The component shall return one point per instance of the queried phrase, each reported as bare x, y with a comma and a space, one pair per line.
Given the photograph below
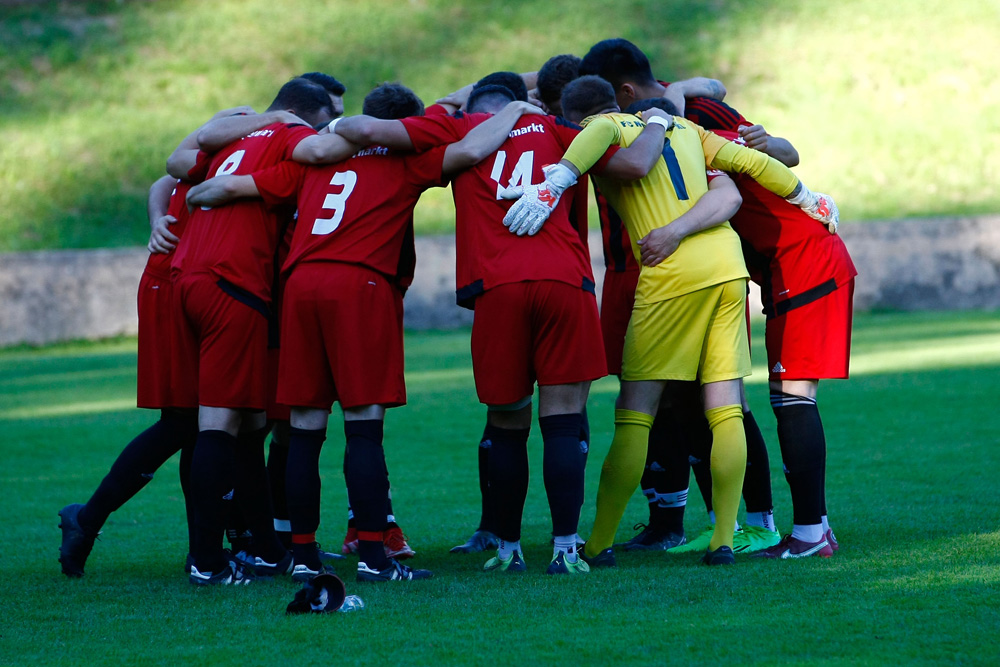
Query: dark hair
586, 96
618, 61
489, 98
331, 85
554, 75
305, 98
392, 101
509, 80
658, 102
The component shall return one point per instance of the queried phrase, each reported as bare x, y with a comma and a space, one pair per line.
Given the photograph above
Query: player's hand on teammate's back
535, 203
160, 239
651, 112
817, 206
657, 245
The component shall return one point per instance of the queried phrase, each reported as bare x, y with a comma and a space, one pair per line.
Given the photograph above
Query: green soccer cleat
560, 565
699, 543
752, 539
513, 564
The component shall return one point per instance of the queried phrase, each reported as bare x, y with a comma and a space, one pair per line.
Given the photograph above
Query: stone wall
951, 263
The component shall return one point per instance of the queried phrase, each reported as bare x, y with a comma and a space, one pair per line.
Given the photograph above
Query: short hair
554, 75
304, 97
586, 96
618, 61
509, 80
489, 98
392, 101
330, 84
659, 102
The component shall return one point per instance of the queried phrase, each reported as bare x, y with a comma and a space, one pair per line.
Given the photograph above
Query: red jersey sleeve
426, 132
199, 172
424, 169
293, 135
281, 183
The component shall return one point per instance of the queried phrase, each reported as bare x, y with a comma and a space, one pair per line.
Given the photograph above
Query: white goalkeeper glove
817, 206
535, 203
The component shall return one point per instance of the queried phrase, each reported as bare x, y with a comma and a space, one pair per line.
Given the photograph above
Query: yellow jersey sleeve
590, 145
727, 156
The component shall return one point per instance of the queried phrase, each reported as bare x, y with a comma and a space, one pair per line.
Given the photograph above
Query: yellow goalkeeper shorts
697, 336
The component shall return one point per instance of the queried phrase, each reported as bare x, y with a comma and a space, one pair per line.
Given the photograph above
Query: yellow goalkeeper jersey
675, 183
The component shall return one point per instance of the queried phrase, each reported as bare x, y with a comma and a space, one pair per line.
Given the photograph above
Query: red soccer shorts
540, 330
812, 342
226, 337
617, 299
163, 379
341, 338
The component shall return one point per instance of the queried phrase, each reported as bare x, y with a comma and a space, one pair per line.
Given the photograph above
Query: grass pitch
913, 463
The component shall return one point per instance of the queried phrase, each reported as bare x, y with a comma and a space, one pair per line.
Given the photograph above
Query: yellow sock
729, 463
620, 476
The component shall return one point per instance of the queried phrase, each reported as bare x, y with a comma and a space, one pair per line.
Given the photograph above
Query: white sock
508, 548
566, 544
761, 520
826, 523
813, 533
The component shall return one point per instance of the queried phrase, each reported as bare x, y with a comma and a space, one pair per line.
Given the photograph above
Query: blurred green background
894, 107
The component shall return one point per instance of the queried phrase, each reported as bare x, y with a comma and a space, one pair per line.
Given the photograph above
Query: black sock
757, 481
486, 520
508, 481
277, 473
367, 486
187, 454
254, 495
303, 485
665, 478
684, 399
212, 489
803, 451
134, 467
562, 470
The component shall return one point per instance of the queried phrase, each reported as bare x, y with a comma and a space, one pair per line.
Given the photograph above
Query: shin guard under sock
620, 476
302, 480
212, 489
508, 468
803, 452
367, 485
729, 462
562, 470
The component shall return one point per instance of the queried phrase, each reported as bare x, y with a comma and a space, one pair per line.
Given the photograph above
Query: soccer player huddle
282, 248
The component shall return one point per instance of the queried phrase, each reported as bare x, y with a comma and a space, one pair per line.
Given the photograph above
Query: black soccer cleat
233, 574
721, 556
481, 540
652, 539
395, 571
76, 544
604, 559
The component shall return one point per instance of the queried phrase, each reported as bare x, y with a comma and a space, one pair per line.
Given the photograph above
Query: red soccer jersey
787, 252
487, 254
358, 211
237, 241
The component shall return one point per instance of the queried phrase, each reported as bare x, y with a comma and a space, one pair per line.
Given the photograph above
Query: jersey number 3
336, 202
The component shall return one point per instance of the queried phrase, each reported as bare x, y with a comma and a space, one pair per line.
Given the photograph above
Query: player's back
357, 211
237, 241
669, 190
488, 254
